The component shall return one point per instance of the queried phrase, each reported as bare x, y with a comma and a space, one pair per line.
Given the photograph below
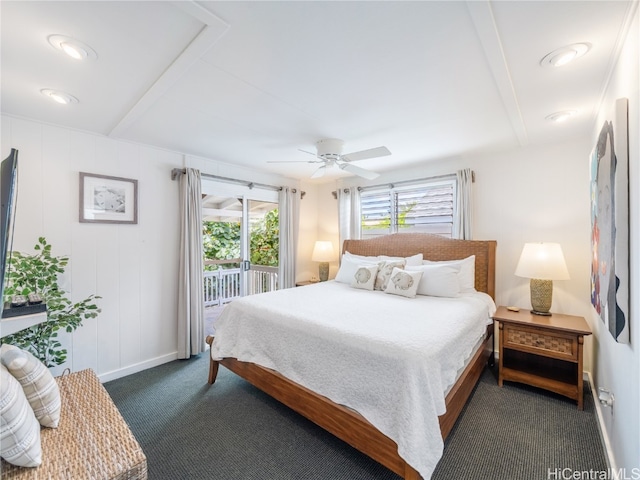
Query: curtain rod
406, 182
176, 172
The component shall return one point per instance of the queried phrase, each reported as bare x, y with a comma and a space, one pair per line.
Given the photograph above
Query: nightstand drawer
543, 342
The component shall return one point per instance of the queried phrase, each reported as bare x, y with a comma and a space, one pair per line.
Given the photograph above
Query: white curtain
190, 289
464, 218
348, 215
289, 214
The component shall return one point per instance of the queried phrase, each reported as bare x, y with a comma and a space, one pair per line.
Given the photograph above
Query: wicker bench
92, 440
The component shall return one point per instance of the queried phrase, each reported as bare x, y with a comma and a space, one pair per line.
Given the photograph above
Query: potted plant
38, 273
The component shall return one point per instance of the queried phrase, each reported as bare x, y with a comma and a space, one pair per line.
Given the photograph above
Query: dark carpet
229, 431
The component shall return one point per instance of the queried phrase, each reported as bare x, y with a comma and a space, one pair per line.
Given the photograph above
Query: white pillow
384, 273
467, 275
349, 267
403, 282
365, 277
19, 429
352, 256
38, 384
438, 280
413, 260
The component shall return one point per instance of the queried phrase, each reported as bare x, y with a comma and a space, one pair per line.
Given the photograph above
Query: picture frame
106, 199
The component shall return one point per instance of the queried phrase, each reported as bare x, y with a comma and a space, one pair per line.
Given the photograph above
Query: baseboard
604, 437
138, 367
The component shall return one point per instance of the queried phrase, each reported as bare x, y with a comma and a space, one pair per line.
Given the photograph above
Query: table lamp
323, 253
542, 263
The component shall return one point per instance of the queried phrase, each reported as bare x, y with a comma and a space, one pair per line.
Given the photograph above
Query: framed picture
105, 199
610, 223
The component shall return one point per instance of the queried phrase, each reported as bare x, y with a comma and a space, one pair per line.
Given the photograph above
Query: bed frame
347, 424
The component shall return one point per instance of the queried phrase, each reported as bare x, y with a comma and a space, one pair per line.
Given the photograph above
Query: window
428, 206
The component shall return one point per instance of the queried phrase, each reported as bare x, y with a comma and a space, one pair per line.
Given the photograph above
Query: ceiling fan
329, 154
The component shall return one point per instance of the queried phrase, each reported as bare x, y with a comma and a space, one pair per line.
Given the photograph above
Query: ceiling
252, 82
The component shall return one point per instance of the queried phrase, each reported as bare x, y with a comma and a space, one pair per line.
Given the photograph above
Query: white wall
133, 267
617, 366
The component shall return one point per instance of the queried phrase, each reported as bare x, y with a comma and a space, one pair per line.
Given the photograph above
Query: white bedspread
390, 358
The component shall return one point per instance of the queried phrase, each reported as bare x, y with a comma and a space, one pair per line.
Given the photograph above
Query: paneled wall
132, 267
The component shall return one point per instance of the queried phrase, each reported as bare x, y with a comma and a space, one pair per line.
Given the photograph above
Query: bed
355, 420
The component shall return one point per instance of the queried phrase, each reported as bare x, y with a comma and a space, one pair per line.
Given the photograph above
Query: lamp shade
543, 261
322, 252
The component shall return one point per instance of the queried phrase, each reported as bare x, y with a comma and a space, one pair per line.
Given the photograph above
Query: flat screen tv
8, 193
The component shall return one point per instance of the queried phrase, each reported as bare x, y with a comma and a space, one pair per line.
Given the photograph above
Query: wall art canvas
610, 223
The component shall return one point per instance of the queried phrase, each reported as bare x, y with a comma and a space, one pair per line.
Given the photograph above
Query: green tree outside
221, 241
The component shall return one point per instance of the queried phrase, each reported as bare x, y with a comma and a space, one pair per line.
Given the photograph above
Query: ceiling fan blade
320, 172
361, 172
294, 161
310, 153
364, 154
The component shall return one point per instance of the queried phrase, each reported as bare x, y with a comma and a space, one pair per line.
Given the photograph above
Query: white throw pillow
19, 428
403, 282
438, 280
384, 273
365, 277
467, 275
349, 267
38, 384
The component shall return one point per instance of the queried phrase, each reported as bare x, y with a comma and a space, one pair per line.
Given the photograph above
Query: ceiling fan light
564, 55
320, 172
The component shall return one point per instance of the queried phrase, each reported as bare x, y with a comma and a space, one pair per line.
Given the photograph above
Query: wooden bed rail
346, 424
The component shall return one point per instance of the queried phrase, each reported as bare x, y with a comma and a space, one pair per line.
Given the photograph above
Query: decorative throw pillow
365, 277
38, 384
467, 275
384, 272
403, 282
438, 280
349, 267
19, 429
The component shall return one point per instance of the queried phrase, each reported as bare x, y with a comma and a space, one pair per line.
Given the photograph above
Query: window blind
426, 207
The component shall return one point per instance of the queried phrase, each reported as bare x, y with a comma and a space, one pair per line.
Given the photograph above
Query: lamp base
541, 296
545, 314
323, 271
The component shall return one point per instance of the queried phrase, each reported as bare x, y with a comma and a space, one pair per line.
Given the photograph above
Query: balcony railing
222, 286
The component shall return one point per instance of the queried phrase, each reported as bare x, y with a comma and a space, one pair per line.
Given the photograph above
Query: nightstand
542, 351
304, 282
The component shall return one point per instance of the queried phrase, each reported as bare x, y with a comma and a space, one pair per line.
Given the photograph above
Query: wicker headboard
433, 247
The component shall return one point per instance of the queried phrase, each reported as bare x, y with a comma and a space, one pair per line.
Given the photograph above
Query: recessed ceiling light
564, 55
72, 47
58, 96
562, 116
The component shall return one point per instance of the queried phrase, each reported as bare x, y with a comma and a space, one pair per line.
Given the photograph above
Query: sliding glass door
260, 244
240, 241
